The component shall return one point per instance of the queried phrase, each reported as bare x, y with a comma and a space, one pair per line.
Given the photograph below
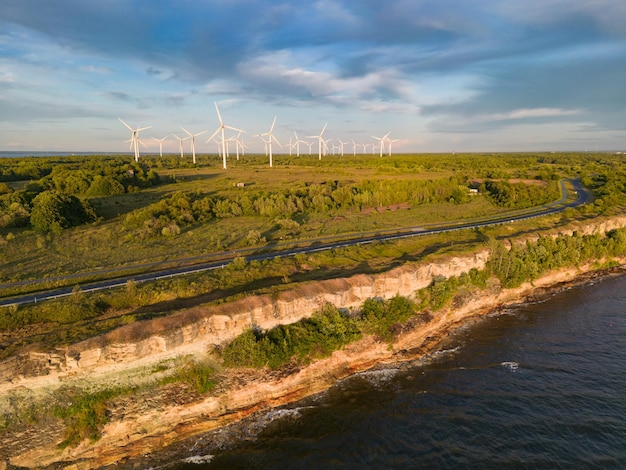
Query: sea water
539, 386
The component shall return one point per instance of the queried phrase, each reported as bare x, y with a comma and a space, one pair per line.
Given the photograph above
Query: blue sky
441, 76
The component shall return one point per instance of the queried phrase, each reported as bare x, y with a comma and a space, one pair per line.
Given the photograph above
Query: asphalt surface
189, 266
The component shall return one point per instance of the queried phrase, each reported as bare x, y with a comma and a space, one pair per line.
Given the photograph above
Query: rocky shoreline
171, 419
202, 447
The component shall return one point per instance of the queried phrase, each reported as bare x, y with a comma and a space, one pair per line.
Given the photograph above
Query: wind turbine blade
323, 129
234, 129
199, 133
188, 133
129, 128
219, 116
273, 124
142, 128
214, 134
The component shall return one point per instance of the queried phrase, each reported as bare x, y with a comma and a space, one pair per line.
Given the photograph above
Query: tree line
183, 209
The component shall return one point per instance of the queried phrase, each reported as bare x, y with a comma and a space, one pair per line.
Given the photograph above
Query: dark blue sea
28, 153
538, 386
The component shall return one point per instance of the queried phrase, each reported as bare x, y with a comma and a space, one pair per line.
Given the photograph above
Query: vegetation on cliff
331, 329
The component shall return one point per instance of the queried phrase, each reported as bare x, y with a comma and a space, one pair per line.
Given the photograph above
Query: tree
53, 212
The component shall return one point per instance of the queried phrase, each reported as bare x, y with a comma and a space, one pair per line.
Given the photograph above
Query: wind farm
225, 134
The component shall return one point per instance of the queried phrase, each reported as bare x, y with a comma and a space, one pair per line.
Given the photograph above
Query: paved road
554, 207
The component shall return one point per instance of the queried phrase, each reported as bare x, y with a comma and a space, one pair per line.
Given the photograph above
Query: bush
198, 375
307, 339
53, 212
381, 317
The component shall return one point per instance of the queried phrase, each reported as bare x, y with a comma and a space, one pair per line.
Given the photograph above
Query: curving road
552, 208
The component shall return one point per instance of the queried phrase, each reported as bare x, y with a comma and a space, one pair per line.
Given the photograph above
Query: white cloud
278, 71
6, 77
531, 113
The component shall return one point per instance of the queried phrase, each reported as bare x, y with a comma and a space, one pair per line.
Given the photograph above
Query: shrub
307, 339
381, 317
85, 416
200, 376
53, 212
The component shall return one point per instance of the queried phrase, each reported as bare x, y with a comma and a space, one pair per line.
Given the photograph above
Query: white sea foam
284, 413
198, 459
378, 378
511, 365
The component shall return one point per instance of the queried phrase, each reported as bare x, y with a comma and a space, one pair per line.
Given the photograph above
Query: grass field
108, 243
29, 255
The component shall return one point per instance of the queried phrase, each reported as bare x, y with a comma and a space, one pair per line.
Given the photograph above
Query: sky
437, 75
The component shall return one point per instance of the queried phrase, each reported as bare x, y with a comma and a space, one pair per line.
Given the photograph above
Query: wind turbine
221, 128
134, 139
297, 144
238, 143
271, 137
310, 144
320, 141
193, 142
242, 146
389, 142
341, 144
160, 141
382, 142
180, 144
326, 142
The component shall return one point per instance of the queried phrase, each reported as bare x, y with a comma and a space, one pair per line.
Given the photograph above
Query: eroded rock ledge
196, 330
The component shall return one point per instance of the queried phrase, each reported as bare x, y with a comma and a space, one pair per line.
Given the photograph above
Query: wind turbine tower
271, 137
320, 141
221, 129
297, 144
389, 142
193, 142
382, 142
134, 138
160, 141
180, 144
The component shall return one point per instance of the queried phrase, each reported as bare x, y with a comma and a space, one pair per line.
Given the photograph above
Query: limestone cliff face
205, 326
196, 330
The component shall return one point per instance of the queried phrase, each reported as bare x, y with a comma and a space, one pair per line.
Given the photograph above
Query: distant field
109, 242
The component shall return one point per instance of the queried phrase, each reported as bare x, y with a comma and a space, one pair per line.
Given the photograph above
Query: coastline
159, 421
232, 435
223, 419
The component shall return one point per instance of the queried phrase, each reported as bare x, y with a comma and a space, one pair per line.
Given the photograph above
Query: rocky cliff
133, 348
